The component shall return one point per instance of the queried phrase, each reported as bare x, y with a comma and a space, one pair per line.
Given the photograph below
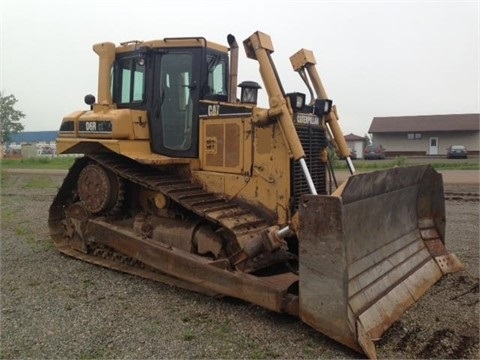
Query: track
239, 219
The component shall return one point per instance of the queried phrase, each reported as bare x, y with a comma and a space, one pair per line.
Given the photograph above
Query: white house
426, 134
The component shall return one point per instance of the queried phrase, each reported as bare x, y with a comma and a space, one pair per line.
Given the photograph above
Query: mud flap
370, 252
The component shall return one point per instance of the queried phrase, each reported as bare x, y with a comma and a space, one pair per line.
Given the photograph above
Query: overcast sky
376, 58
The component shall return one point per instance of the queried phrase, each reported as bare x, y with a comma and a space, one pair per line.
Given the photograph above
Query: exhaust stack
106, 53
232, 92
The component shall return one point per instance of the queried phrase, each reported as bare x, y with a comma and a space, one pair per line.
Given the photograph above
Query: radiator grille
313, 140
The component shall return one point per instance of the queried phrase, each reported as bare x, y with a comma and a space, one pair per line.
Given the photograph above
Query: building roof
353, 137
34, 136
452, 122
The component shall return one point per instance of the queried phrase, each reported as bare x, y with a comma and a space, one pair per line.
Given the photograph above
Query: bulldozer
181, 181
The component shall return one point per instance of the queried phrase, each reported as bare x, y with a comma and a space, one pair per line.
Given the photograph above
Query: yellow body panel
262, 176
224, 145
125, 124
138, 150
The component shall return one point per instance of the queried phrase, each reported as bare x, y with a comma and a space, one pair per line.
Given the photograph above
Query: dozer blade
370, 251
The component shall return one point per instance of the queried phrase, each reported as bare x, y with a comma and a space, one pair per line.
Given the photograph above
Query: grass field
471, 163
438, 163
38, 163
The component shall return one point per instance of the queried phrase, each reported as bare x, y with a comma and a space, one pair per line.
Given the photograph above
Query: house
356, 143
426, 134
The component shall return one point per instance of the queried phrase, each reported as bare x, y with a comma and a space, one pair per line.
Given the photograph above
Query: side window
132, 80
216, 75
176, 105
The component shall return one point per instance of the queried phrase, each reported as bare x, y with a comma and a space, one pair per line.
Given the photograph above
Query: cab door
174, 119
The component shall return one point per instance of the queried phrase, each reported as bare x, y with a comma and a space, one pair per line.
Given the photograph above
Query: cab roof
170, 43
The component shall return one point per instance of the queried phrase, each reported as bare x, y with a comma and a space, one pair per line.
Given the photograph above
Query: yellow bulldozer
182, 181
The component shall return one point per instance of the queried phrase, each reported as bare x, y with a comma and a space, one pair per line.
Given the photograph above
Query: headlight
297, 100
323, 106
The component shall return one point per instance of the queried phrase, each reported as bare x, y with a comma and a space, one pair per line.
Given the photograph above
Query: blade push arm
305, 60
259, 47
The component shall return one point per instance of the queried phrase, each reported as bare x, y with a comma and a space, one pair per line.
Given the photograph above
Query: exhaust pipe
232, 92
106, 54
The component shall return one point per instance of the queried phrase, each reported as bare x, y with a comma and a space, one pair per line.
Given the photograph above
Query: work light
249, 92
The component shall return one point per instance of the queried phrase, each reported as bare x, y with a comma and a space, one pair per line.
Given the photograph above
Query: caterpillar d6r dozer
182, 182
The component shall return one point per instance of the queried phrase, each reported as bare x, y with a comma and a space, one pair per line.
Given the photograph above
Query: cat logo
213, 110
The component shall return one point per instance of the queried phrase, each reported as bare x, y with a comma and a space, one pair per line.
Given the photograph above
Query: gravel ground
53, 306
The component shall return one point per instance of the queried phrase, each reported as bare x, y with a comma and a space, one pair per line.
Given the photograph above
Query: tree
9, 118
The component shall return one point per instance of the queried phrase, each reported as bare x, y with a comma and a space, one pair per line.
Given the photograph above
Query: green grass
87, 283
62, 163
96, 352
39, 182
456, 166
188, 336
7, 214
402, 161
4, 179
21, 231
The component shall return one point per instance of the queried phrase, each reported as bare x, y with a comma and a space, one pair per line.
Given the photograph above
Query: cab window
132, 80
216, 67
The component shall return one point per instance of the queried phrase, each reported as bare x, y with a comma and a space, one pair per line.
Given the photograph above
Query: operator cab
168, 80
